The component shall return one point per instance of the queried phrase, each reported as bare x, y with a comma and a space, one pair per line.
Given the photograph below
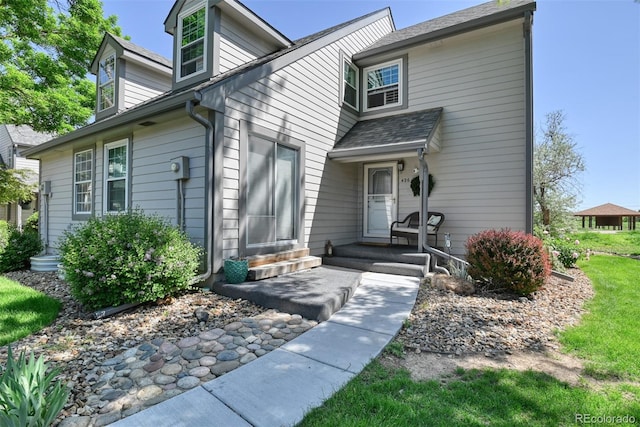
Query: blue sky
586, 63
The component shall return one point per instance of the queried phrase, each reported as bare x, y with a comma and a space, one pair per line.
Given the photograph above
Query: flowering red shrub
508, 259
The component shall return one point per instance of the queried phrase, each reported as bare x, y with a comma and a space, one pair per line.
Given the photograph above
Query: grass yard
23, 311
384, 397
609, 335
621, 242
608, 339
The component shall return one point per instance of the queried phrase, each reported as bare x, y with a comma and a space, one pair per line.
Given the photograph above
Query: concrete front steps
273, 265
399, 260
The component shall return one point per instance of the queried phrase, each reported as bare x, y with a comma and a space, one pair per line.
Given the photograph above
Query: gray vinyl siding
141, 84
478, 78
238, 45
154, 188
56, 167
32, 165
5, 145
301, 101
6, 151
152, 185
480, 170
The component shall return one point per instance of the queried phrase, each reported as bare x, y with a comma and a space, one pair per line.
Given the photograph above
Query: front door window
380, 199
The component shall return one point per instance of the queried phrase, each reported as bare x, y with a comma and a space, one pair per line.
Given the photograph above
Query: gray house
256, 144
13, 141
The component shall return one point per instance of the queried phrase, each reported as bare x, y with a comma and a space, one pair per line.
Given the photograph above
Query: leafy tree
556, 165
14, 185
47, 48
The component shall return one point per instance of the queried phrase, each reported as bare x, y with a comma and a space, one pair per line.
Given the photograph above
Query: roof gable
205, 92
489, 13
240, 12
251, 71
138, 53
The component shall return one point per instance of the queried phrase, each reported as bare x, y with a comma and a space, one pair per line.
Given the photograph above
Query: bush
21, 246
508, 259
32, 222
127, 258
565, 251
4, 235
28, 395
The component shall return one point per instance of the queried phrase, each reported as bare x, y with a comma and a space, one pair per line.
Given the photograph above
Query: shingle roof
24, 135
388, 131
171, 96
608, 209
490, 11
132, 47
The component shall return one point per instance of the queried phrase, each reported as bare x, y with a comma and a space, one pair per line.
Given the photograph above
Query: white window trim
75, 183
112, 81
179, 46
365, 90
105, 173
344, 82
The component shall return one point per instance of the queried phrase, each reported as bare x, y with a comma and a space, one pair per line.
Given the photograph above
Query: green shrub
32, 222
127, 258
21, 247
4, 235
565, 251
29, 396
508, 259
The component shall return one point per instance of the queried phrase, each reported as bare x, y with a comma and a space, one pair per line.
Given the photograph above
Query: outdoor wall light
400, 165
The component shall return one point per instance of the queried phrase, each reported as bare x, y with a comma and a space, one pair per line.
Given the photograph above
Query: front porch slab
313, 294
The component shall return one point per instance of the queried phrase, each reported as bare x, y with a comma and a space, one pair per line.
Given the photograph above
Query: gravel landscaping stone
493, 323
119, 365
122, 364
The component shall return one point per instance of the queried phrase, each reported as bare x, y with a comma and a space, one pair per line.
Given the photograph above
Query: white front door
380, 196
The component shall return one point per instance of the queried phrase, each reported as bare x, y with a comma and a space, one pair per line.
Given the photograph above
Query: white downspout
209, 151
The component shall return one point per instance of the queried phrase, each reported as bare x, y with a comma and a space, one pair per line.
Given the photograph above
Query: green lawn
23, 310
608, 339
609, 335
621, 242
384, 397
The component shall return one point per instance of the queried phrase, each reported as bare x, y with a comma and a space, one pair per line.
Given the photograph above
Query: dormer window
384, 85
192, 42
350, 84
107, 82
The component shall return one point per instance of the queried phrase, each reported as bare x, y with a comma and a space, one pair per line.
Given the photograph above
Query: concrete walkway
279, 388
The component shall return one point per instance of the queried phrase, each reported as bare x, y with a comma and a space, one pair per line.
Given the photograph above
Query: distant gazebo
609, 215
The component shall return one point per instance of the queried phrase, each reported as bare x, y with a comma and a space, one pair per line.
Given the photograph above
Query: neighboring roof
128, 46
176, 98
401, 132
465, 20
608, 209
25, 136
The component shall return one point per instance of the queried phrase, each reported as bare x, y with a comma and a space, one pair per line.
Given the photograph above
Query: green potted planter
236, 270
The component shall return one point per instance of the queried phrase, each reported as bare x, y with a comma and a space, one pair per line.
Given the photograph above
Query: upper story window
82, 182
384, 85
350, 85
192, 42
116, 176
107, 82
